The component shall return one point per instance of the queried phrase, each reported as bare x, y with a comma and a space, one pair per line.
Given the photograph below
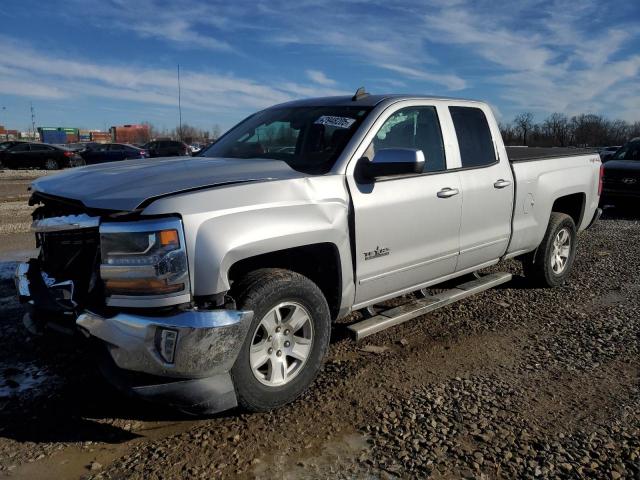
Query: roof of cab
367, 100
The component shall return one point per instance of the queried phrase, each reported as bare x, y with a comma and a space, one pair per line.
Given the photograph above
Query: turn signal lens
169, 237
141, 286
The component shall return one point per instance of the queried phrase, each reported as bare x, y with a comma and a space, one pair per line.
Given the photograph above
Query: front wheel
287, 340
550, 264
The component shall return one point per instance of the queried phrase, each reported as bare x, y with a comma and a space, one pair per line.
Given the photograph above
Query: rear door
99, 154
41, 153
130, 152
406, 229
487, 186
164, 149
117, 152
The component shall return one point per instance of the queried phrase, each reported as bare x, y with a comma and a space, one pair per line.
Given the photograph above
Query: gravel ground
15, 213
514, 383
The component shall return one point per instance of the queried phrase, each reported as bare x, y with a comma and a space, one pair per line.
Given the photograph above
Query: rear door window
474, 137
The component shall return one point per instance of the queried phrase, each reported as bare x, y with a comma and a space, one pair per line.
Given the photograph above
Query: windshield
309, 139
630, 151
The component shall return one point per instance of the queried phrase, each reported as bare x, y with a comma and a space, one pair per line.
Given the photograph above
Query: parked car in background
38, 155
621, 179
80, 146
195, 148
607, 152
7, 144
111, 152
167, 148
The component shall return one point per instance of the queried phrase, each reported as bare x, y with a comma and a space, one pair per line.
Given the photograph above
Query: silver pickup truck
213, 281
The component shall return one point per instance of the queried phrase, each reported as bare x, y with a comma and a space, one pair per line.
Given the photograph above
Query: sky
97, 63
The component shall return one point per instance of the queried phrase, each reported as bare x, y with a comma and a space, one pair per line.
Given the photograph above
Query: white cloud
180, 31
23, 87
543, 56
452, 82
183, 23
32, 74
543, 59
319, 77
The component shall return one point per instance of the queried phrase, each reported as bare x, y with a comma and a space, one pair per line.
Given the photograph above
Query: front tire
550, 264
287, 340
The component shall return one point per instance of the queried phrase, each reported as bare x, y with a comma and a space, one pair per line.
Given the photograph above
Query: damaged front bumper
182, 358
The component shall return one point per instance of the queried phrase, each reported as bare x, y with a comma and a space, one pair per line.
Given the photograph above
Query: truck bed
525, 154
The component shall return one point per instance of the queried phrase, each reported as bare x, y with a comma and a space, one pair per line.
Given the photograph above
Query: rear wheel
51, 164
550, 264
287, 339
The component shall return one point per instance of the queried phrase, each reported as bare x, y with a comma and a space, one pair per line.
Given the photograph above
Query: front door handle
502, 183
448, 192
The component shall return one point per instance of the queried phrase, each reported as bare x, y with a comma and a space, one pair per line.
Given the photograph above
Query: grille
622, 181
71, 255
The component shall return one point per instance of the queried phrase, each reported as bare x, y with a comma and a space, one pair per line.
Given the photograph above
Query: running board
408, 311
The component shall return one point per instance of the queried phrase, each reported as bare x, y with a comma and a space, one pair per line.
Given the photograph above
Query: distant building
6, 134
130, 133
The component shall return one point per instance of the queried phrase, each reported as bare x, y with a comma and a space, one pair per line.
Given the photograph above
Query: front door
406, 227
19, 156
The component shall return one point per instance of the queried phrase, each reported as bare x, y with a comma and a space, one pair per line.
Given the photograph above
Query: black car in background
111, 152
606, 153
621, 179
9, 143
37, 155
167, 148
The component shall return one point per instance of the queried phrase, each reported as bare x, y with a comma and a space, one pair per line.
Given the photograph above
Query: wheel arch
572, 205
324, 269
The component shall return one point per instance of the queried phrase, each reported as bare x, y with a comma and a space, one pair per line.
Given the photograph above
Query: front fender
229, 224
221, 242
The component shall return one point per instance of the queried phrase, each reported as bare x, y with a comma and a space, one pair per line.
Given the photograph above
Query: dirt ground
514, 383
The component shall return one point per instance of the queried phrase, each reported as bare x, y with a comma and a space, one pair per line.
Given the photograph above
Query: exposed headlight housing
144, 258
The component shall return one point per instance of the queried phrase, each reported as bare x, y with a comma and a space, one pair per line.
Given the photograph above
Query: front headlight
144, 258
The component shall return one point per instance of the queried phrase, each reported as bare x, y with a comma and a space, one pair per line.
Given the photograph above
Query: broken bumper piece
181, 359
189, 355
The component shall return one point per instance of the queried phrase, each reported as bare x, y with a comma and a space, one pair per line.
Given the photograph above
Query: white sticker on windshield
338, 122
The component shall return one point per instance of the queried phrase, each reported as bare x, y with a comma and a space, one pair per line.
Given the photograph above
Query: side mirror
392, 161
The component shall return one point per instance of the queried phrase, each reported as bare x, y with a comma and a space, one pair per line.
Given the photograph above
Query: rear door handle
502, 183
448, 192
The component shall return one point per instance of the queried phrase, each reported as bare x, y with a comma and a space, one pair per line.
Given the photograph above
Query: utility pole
4, 109
179, 106
33, 120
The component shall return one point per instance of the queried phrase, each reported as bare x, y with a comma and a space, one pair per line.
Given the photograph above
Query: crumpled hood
125, 185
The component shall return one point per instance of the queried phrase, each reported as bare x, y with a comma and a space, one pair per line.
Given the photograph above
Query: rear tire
286, 342
51, 164
550, 264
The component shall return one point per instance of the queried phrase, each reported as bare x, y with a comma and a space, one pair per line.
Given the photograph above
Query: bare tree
589, 130
216, 132
523, 125
508, 133
556, 126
